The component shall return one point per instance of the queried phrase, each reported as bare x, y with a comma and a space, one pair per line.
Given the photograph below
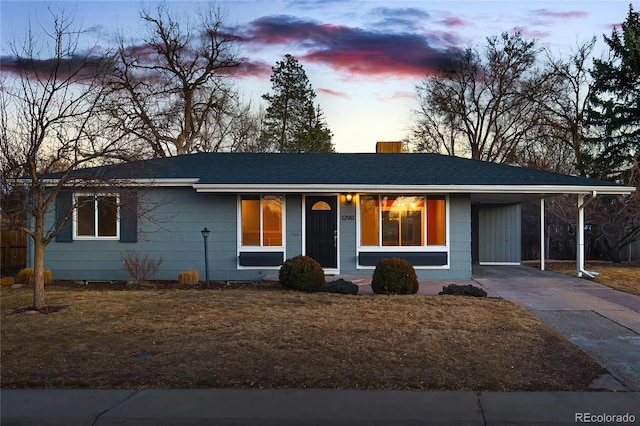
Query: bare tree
565, 126
484, 104
50, 121
174, 91
246, 130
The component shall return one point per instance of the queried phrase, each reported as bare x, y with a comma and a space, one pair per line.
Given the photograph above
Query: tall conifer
292, 122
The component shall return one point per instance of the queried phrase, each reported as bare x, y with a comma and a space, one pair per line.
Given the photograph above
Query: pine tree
292, 123
614, 104
613, 148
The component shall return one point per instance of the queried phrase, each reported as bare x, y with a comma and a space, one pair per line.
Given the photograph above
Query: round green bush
301, 273
394, 276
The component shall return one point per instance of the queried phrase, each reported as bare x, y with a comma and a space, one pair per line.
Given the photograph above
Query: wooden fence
13, 249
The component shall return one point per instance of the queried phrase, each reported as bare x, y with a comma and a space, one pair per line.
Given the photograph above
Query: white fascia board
187, 182
445, 189
163, 182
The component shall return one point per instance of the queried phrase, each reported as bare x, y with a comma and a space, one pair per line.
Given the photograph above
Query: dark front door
321, 230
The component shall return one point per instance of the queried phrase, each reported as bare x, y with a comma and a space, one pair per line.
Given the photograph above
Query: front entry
321, 230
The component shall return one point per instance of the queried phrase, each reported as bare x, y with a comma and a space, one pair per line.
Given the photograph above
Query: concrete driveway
603, 322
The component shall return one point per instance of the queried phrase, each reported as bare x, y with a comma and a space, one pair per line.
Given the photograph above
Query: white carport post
580, 236
542, 237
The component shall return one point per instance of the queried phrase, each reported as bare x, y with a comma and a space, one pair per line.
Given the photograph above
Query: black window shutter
64, 203
129, 217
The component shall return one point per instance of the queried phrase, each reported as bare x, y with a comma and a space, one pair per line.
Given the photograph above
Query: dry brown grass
256, 337
623, 277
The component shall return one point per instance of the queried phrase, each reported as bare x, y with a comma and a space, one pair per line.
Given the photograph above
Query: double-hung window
96, 216
402, 220
262, 220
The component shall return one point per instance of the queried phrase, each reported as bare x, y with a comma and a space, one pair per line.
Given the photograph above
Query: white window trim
404, 249
95, 217
260, 248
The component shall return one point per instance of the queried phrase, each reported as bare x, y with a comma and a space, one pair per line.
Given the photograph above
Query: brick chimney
389, 147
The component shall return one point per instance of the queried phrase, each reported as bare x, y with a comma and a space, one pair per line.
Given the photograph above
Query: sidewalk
74, 407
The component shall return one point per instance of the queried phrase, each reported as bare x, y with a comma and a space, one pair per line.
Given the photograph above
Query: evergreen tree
614, 104
613, 147
292, 123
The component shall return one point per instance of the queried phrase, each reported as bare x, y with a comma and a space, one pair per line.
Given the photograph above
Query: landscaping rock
339, 286
463, 290
17, 285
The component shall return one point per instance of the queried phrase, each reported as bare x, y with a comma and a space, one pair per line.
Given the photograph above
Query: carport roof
342, 172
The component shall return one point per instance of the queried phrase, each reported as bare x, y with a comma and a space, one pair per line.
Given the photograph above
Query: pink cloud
332, 93
78, 68
398, 95
527, 33
454, 22
354, 50
562, 15
251, 69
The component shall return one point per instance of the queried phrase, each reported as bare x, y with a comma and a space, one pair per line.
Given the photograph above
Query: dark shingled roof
341, 169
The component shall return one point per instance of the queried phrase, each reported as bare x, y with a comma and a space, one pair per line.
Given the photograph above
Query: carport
496, 220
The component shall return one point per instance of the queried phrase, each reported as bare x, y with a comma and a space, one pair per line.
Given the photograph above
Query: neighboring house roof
343, 172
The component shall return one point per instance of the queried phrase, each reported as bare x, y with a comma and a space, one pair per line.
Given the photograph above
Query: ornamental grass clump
394, 276
25, 276
189, 277
301, 273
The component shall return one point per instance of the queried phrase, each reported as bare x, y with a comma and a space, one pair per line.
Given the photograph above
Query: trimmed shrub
189, 277
25, 276
339, 286
394, 276
301, 273
463, 290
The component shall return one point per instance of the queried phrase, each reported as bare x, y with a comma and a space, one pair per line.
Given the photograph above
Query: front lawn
622, 276
269, 338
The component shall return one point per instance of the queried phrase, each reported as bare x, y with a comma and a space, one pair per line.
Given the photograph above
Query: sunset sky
363, 58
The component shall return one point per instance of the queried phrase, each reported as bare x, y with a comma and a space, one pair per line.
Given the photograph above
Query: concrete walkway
310, 407
603, 322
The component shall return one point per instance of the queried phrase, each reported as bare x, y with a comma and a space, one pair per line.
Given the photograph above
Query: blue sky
363, 58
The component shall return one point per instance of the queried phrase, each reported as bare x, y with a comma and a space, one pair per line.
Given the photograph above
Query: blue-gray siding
172, 231
499, 234
460, 240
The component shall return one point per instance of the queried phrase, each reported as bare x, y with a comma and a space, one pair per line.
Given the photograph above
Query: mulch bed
30, 310
162, 285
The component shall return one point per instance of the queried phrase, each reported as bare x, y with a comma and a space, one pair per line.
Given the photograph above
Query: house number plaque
348, 217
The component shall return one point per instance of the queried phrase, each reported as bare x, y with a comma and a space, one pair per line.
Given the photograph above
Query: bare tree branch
484, 104
174, 91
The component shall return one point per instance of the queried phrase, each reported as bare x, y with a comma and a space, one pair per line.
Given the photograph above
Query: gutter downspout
542, 236
580, 236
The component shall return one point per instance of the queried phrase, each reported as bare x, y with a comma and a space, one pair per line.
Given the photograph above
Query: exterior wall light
205, 234
349, 198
